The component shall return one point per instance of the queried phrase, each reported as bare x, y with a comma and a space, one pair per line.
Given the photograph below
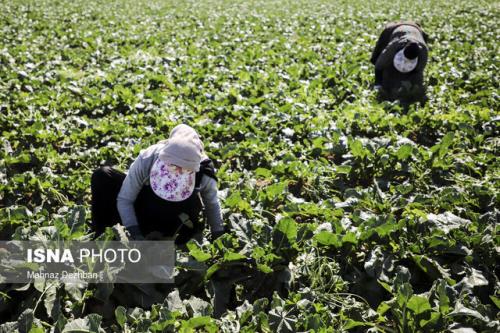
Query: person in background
400, 57
163, 193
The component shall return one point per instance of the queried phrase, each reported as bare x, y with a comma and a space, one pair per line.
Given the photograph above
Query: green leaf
276, 190
262, 172
445, 143
495, 300
25, 320
343, 169
444, 300
244, 312
198, 322
350, 238
475, 279
211, 270
50, 300
383, 308
199, 254
235, 201
76, 219
60, 323
418, 304
431, 322
281, 321
385, 229
431, 267
357, 149
89, 324
121, 316
197, 307
329, 239
405, 292
461, 310
74, 289
232, 256
447, 221
385, 285
404, 152
354, 323
264, 268
287, 227
174, 302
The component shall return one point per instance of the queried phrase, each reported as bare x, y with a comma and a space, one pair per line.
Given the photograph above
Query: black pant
105, 185
152, 212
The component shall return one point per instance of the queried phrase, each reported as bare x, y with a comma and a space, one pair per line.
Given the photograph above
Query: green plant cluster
345, 213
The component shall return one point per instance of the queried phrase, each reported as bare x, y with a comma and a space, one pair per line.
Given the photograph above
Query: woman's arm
382, 42
132, 185
386, 58
208, 191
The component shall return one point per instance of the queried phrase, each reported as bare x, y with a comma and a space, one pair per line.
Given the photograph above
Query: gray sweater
138, 176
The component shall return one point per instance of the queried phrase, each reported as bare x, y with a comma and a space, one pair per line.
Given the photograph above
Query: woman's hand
135, 233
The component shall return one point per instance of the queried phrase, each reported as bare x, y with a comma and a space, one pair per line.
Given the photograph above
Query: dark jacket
394, 38
398, 32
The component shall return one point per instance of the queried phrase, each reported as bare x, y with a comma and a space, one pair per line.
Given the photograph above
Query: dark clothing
105, 184
396, 85
397, 30
153, 213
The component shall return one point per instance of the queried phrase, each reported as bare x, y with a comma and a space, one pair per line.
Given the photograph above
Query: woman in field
400, 57
163, 193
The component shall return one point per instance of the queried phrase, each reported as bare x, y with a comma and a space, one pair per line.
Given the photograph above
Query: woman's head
406, 59
183, 148
411, 50
173, 174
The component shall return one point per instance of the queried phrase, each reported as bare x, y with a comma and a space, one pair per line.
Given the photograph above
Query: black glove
135, 233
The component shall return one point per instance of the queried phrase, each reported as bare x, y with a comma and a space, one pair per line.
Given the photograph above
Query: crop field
345, 213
